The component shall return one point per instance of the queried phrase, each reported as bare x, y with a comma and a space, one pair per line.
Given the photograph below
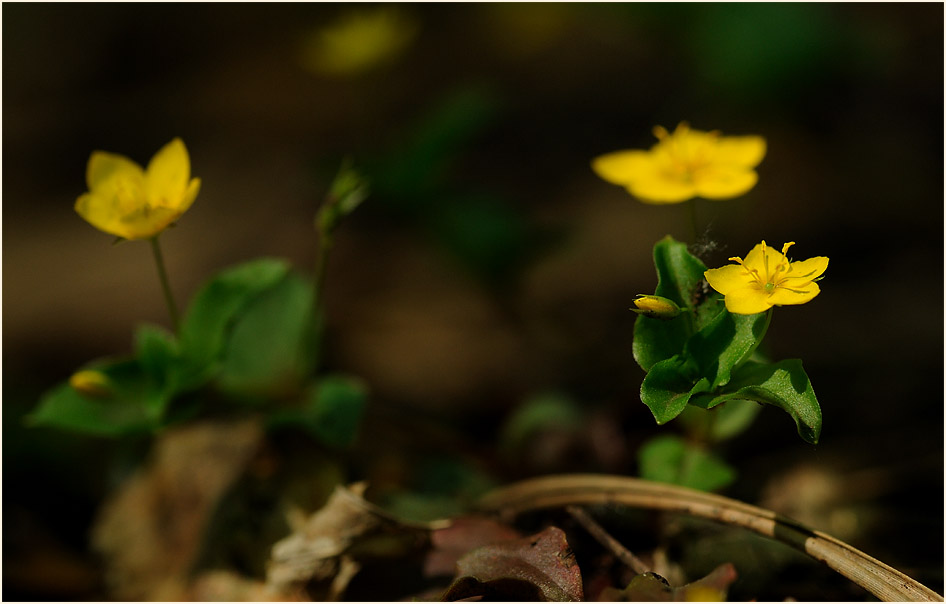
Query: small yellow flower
132, 203
685, 164
91, 383
656, 307
358, 42
766, 278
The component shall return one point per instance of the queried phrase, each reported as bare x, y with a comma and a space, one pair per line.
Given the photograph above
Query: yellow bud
656, 307
91, 383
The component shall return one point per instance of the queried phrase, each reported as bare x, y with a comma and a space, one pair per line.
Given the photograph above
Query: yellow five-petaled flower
685, 164
135, 203
767, 278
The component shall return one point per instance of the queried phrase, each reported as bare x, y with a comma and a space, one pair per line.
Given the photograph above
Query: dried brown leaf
151, 531
449, 544
540, 567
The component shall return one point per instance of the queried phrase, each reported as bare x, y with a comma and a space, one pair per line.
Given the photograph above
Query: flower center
763, 279
686, 153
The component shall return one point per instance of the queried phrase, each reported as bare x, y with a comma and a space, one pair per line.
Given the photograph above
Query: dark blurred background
490, 265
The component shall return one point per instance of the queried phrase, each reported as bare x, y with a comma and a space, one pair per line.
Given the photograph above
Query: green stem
165, 284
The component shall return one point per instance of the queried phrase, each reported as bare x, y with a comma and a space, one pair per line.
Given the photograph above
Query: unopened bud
91, 383
656, 307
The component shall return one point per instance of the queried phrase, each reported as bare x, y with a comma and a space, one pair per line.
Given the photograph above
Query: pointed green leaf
669, 385
680, 279
785, 385
725, 342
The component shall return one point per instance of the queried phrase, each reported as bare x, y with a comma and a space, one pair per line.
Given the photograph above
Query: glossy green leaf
207, 322
134, 405
724, 343
270, 348
673, 460
669, 385
785, 385
680, 279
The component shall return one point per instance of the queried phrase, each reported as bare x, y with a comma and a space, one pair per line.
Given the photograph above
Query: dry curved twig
882, 581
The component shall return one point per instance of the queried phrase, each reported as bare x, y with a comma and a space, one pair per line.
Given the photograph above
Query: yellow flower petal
167, 175
728, 278
658, 190
745, 151
724, 182
101, 212
747, 301
784, 295
623, 167
104, 167
765, 262
189, 196
807, 269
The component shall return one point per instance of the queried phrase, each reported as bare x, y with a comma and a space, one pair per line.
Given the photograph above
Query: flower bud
656, 307
91, 383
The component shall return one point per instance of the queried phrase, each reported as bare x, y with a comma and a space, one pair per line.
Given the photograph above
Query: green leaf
271, 348
669, 385
332, 411
134, 405
672, 460
785, 385
679, 278
205, 326
725, 342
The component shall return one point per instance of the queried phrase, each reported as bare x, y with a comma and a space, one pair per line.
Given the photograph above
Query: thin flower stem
165, 284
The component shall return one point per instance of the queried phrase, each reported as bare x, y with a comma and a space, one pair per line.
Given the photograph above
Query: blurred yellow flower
766, 278
132, 203
359, 41
685, 164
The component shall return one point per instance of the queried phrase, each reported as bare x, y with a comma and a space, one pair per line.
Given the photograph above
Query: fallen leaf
151, 531
465, 534
541, 567
345, 525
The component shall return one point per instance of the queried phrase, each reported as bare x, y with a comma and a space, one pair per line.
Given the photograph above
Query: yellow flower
685, 164
358, 42
132, 203
766, 278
